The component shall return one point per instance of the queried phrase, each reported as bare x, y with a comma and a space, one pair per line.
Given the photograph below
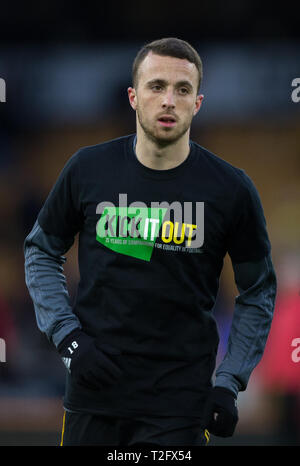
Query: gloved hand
87, 363
221, 413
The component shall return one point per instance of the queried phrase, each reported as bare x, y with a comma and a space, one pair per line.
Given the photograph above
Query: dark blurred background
67, 67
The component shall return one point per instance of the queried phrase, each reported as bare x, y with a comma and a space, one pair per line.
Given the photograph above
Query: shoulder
108, 148
215, 162
221, 170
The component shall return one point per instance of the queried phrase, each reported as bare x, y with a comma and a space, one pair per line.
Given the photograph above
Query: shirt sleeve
61, 214
251, 323
248, 237
46, 283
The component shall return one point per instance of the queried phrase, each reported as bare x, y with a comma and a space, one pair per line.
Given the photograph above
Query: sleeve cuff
229, 382
58, 336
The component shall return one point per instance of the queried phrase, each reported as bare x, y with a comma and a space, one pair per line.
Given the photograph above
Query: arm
87, 363
46, 283
253, 313
249, 248
252, 318
53, 233
58, 222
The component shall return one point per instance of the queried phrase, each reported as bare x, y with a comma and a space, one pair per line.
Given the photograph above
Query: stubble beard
165, 137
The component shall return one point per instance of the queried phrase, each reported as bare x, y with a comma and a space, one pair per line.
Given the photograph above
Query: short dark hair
171, 47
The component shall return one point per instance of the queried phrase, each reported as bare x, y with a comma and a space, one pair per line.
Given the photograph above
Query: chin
163, 136
168, 137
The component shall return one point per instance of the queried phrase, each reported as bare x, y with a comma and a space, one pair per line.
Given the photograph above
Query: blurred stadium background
67, 69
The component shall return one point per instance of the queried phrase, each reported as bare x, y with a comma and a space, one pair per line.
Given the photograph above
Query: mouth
167, 121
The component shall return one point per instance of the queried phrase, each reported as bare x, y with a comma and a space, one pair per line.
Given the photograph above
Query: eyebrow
162, 82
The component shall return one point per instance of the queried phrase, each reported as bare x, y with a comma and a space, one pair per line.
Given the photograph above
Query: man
156, 213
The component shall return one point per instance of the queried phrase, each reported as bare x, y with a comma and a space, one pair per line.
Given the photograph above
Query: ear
198, 103
132, 97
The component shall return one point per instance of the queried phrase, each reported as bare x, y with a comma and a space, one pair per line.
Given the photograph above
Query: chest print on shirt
137, 229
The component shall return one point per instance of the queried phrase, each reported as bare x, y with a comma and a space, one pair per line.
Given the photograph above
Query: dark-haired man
156, 213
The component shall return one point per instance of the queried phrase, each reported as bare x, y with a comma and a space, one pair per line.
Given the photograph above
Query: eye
156, 88
183, 90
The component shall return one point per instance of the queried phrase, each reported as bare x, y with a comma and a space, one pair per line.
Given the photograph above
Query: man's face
166, 97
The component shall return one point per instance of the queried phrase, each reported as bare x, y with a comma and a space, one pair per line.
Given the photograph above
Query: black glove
220, 413
87, 363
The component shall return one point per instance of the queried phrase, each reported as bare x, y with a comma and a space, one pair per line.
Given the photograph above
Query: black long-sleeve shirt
151, 250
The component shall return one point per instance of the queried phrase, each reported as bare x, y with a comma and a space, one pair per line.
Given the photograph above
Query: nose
168, 99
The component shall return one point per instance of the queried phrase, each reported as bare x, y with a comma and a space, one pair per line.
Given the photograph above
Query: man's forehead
157, 66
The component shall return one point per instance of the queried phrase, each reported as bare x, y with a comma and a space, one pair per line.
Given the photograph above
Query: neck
157, 157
